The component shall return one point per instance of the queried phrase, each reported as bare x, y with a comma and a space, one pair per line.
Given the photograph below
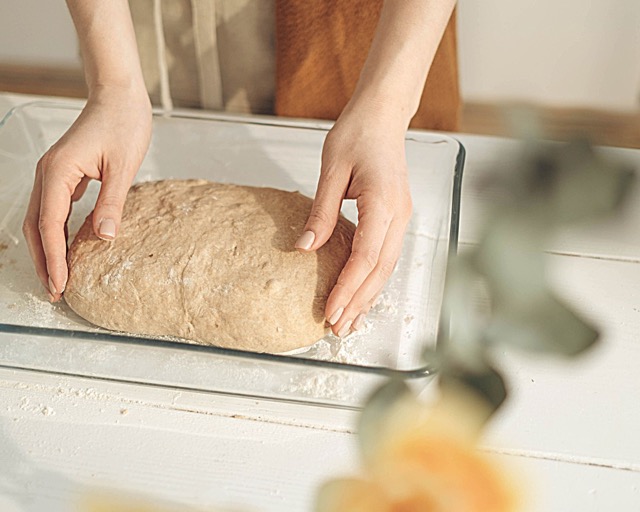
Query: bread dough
208, 262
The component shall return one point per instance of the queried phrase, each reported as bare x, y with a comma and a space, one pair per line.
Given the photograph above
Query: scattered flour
35, 310
385, 306
28, 406
325, 384
349, 350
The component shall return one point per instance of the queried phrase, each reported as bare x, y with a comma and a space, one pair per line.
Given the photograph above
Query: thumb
108, 211
323, 217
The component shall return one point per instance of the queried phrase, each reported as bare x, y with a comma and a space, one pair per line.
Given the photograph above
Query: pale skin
363, 157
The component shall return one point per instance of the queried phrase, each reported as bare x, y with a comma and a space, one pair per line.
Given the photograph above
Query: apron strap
206, 46
161, 57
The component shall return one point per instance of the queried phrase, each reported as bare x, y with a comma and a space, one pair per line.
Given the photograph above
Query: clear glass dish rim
316, 125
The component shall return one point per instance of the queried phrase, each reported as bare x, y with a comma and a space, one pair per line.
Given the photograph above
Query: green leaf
486, 383
588, 186
463, 334
568, 182
511, 259
432, 356
543, 324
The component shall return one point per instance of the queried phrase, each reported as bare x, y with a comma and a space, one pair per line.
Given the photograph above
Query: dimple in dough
211, 263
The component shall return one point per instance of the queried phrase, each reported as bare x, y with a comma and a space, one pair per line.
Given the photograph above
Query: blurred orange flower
423, 459
111, 501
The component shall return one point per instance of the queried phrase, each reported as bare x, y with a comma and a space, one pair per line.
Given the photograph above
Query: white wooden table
570, 429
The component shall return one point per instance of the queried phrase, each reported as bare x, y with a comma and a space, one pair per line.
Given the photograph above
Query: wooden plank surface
58, 446
585, 409
62, 440
615, 239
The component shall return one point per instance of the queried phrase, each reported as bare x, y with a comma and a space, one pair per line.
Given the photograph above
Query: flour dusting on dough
209, 262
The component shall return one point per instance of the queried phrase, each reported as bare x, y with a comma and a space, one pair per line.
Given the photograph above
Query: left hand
363, 159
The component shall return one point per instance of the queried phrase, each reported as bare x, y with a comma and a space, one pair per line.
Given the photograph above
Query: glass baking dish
247, 150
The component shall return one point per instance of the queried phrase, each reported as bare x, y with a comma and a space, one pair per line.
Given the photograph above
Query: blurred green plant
538, 191
421, 456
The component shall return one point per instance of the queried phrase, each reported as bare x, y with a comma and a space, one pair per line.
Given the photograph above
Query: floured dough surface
209, 262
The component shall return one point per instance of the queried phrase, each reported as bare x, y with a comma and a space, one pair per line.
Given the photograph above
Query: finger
363, 298
359, 322
332, 187
368, 240
80, 189
66, 222
360, 319
76, 196
107, 214
32, 233
57, 188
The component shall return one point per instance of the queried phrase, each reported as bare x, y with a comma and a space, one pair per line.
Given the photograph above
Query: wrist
106, 76
379, 109
128, 85
132, 94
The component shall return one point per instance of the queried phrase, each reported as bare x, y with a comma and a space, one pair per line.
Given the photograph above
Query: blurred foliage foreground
420, 457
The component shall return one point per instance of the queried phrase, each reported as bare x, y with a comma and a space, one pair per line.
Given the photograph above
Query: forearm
107, 43
403, 48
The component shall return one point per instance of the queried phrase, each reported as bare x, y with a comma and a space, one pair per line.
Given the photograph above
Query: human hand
363, 159
107, 142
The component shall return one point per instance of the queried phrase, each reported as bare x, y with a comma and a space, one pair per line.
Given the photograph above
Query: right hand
107, 142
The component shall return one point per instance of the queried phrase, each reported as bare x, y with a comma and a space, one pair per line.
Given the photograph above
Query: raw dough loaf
208, 262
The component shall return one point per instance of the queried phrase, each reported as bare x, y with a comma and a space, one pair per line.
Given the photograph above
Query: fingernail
51, 298
305, 241
358, 323
52, 288
336, 316
107, 229
345, 329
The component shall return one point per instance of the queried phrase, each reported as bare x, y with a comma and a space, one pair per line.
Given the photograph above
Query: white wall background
575, 53
556, 52
37, 32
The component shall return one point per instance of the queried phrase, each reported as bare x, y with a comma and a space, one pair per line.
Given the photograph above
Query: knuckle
47, 225
367, 257
110, 202
387, 209
395, 206
356, 305
405, 215
330, 172
341, 283
58, 165
40, 165
342, 291
45, 160
329, 141
49, 161
407, 209
400, 200
385, 269
27, 228
320, 215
